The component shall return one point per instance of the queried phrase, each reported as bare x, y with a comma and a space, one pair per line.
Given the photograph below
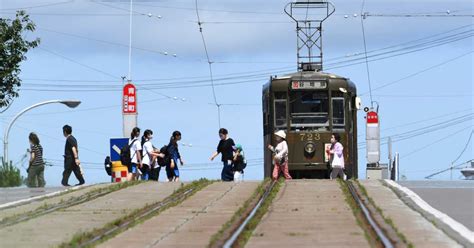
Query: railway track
46, 209
381, 232
230, 235
378, 229
94, 237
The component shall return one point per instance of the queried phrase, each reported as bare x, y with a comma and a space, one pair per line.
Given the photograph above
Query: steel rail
230, 242
378, 231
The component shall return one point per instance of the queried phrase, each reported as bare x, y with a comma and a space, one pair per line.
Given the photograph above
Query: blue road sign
116, 145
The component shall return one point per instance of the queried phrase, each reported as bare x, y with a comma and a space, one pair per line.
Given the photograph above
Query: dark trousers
227, 174
155, 173
70, 166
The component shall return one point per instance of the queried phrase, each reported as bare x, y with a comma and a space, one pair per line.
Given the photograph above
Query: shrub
10, 175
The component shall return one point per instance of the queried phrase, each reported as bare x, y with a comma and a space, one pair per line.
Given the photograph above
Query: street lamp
69, 103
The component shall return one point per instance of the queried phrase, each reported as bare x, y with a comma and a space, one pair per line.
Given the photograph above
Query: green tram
309, 106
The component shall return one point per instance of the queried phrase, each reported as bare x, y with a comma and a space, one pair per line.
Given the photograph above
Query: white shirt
137, 146
281, 151
147, 149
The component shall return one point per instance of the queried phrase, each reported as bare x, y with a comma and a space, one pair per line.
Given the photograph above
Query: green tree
13, 47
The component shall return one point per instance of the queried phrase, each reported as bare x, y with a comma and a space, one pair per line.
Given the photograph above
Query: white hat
281, 134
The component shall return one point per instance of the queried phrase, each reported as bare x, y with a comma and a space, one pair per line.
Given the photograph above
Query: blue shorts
133, 168
172, 172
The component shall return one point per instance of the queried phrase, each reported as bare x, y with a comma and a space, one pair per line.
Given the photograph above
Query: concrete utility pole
69, 103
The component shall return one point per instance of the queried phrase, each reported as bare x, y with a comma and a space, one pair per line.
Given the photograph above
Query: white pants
238, 176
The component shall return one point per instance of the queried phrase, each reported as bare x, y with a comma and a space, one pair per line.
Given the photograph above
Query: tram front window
309, 110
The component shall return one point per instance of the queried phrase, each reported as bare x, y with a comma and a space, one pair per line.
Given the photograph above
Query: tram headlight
309, 149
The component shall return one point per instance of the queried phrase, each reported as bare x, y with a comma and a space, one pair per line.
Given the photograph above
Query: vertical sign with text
129, 105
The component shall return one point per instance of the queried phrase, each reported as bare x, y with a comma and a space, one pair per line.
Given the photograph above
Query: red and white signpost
373, 138
129, 108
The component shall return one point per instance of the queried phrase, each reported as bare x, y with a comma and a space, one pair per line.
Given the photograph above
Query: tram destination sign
307, 85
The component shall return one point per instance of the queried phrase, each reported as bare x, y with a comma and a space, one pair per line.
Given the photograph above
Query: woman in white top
135, 154
337, 157
149, 155
280, 159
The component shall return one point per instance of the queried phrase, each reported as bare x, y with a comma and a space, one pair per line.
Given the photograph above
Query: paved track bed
190, 224
309, 213
60, 226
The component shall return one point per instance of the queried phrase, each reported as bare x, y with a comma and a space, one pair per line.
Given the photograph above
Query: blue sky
85, 44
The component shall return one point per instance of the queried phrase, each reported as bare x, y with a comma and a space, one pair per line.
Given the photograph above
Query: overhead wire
41, 5
444, 33
445, 115
419, 72
424, 130
465, 147
209, 65
451, 135
362, 16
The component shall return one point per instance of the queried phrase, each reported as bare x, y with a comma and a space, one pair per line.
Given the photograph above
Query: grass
252, 224
388, 220
217, 237
83, 237
10, 175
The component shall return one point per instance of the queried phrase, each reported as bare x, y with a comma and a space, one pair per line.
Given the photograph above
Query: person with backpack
149, 156
225, 148
239, 163
134, 148
161, 161
172, 170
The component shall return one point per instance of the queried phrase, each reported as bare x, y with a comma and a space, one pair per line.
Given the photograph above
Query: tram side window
338, 113
280, 113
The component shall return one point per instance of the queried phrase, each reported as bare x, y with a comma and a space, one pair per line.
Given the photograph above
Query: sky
423, 86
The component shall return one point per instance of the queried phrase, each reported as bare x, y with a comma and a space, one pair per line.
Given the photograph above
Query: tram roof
310, 74
333, 79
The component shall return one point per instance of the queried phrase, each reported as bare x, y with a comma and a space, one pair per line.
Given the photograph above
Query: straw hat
281, 134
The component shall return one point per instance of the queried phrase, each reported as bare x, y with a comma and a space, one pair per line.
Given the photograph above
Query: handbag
337, 161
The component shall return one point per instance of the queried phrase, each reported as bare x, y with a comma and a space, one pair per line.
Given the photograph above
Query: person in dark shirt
225, 148
172, 170
71, 158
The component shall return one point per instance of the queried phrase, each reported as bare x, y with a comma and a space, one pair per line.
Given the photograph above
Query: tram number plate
310, 136
300, 85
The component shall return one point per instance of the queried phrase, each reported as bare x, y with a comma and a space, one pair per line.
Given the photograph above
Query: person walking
280, 159
337, 157
239, 163
135, 155
172, 170
71, 158
225, 148
149, 157
36, 165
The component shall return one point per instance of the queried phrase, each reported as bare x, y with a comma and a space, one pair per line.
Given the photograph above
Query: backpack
108, 166
166, 160
125, 154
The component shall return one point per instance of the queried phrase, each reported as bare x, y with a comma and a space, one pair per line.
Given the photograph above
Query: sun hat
281, 134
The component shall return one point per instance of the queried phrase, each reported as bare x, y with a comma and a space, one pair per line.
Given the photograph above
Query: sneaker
79, 184
66, 185
345, 177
